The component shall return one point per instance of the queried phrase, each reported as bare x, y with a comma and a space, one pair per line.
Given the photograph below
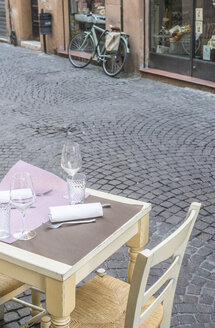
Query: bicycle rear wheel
81, 50
114, 62
185, 42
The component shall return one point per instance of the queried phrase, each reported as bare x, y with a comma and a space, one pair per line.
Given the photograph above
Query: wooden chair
9, 288
106, 302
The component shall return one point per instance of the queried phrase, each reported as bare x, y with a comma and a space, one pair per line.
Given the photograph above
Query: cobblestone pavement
139, 138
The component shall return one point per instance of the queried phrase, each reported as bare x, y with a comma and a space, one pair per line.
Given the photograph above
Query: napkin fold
75, 212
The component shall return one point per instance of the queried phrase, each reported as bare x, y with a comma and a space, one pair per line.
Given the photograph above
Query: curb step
33, 45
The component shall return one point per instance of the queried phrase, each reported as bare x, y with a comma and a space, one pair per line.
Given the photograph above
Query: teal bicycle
84, 46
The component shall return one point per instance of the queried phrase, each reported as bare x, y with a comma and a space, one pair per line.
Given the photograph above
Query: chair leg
1, 312
101, 272
45, 322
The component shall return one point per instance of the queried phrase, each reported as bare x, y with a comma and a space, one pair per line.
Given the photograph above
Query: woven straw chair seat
101, 303
7, 285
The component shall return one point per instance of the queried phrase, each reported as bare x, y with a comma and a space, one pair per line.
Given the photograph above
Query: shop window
79, 10
170, 27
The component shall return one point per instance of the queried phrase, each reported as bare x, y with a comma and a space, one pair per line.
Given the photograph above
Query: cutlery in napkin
75, 212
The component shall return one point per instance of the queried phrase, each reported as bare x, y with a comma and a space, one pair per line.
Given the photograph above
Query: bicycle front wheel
81, 50
114, 62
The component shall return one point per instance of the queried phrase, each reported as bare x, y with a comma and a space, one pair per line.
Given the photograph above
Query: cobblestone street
139, 138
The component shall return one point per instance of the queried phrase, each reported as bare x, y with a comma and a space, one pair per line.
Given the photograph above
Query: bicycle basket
112, 41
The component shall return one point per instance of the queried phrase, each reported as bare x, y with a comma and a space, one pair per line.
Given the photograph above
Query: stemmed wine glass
22, 196
71, 158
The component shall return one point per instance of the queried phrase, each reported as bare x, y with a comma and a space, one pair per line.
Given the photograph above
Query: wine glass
71, 158
22, 196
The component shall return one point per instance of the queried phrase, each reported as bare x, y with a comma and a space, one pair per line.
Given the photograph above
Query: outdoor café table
56, 260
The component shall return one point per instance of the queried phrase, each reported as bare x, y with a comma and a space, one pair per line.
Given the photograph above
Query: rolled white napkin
75, 212
5, 194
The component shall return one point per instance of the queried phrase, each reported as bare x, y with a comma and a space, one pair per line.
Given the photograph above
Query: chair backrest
173, 247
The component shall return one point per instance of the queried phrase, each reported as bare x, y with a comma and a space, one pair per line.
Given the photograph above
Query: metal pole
144, 33
121, 15
44, 43
44, 37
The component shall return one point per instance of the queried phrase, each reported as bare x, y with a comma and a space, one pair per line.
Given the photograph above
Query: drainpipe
69, 11
13, 37
121, 13
144, 33
63, 15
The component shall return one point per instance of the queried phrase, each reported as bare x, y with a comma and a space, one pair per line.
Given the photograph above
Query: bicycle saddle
114, 27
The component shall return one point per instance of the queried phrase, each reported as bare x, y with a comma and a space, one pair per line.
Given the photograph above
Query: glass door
204, 61
170, 35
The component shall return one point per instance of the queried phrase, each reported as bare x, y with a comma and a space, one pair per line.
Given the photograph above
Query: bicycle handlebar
92, 15
97, 18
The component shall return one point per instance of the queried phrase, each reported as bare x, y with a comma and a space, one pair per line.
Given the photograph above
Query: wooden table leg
137, 243
1, 312
35, 301
60, 301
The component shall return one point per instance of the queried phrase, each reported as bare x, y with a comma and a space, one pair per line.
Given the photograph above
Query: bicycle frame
95, 39
98, 51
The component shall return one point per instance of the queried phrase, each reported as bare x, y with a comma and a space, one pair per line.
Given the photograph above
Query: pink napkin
42, 181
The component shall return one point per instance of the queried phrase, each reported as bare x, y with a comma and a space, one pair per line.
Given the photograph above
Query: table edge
58, 270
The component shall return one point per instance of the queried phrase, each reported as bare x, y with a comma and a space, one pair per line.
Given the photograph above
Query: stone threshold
4, 39
64, 53
31, 44
179, 79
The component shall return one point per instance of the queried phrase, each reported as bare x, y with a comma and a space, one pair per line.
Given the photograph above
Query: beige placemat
69, 244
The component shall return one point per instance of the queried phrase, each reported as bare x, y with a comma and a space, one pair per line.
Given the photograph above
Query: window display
171, 28
79, 10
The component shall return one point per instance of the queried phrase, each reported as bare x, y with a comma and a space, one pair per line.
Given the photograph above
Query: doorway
35, 20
